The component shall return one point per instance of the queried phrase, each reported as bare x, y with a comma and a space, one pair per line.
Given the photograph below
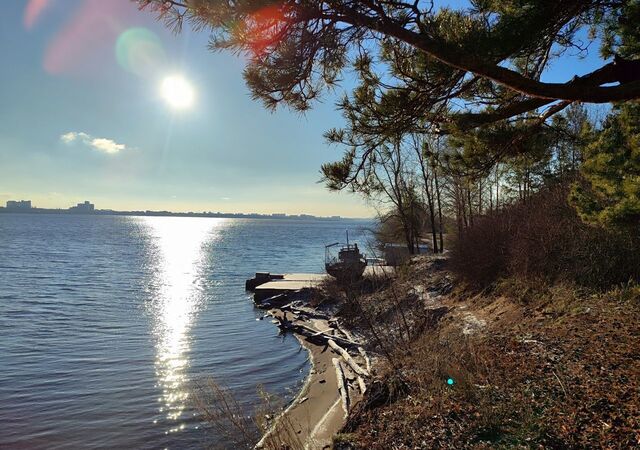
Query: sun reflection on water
178, 260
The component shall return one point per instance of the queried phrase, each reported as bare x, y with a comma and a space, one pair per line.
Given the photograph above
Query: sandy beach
319, 410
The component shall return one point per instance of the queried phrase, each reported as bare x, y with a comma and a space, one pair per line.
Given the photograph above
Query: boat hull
346, 271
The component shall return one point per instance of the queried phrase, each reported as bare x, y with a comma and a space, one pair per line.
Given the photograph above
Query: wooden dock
288, 283
266, 285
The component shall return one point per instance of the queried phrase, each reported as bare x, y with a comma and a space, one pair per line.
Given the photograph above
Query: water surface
106, 321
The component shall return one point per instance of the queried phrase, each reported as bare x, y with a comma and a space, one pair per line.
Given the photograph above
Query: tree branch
583, 89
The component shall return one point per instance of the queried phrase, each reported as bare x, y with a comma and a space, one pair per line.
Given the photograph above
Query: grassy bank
532, 364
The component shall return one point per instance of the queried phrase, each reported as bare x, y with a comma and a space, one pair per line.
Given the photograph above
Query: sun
177, 92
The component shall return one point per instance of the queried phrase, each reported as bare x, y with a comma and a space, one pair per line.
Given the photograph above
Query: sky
83, 116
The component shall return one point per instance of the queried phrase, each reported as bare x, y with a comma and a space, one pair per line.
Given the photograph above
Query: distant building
85, 207
279, 215
20, 204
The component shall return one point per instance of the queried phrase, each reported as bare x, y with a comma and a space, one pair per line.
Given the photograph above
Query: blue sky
225, 153
125, 148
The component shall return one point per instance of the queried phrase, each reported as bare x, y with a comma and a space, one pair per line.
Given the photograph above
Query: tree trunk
480, 197
497, 189
470, 205
439, 202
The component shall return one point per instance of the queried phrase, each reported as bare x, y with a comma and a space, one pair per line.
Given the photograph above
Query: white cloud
107, 145
71, 136
101, 144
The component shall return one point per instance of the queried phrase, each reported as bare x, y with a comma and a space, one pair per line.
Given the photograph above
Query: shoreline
320, 408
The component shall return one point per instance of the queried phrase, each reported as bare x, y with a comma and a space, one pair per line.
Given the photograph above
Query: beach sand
317, 413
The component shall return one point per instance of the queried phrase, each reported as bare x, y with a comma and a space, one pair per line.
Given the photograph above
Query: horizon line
148, 212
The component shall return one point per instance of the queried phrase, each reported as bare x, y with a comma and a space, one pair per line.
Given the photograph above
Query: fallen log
345, 332
313, 333
323, 332
349, 360
301, 311
362, 385
342, 385
320, 337
366, 358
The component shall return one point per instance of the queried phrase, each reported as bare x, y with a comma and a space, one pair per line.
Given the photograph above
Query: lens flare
84, 45
263, 28
34, 11
140, 51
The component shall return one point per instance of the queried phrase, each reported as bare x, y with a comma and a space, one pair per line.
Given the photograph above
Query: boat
349, 264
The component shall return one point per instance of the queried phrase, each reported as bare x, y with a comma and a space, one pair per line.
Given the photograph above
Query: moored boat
349, 264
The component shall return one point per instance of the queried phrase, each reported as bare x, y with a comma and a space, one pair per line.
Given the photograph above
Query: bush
544, 238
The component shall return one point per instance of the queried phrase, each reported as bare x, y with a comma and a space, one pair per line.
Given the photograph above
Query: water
106, 322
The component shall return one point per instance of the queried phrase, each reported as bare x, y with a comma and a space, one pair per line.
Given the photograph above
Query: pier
267, 285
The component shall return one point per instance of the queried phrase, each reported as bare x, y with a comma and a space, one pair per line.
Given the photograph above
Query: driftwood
324, 332
362, 385
301, 311
356, 368
345, 332
275, 301
288, 307
366, 358
323, 338
349, 337
343, 389
315, 335
310, 333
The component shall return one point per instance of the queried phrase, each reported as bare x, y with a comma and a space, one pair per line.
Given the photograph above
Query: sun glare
177, 92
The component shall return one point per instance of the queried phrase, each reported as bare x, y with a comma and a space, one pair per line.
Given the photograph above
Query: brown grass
544, 238
554, 367
231, 425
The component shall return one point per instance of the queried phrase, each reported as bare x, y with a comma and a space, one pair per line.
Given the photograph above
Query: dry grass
544, 238
225, 417
278, 430
232, 427
553, 367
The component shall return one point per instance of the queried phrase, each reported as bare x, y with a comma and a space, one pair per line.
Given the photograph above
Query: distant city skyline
86, 207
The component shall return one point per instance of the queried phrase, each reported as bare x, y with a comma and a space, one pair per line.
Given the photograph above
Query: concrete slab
278, 287
317, 277
286, 285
